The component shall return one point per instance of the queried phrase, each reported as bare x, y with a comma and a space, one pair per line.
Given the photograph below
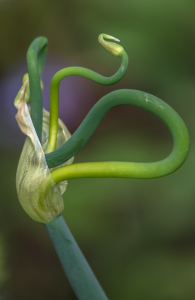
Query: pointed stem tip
113, 48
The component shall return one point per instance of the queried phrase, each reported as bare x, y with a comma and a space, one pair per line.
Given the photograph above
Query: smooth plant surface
46, 153
136, 234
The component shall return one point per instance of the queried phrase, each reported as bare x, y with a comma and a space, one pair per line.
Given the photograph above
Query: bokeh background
138, 235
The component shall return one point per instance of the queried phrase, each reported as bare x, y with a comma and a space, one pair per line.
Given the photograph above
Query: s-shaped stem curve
123, 169
115, 50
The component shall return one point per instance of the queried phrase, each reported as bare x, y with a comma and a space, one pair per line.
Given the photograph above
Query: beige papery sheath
38, 194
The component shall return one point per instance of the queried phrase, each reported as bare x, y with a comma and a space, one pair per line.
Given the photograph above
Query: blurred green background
138, 235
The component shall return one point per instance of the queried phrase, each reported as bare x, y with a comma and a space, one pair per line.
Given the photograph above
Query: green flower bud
113, 48
38, 194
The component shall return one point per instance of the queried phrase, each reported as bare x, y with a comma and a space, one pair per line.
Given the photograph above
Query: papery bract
38, 194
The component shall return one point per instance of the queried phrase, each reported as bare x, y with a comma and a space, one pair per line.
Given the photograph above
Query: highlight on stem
115, 50
57, 157
46, 161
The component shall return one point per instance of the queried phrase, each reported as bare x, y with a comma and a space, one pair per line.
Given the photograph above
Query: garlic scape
39, 195
46, 160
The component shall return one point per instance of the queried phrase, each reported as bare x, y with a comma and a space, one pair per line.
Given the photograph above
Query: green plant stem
36, 55
122, 169
79, 273
54, 91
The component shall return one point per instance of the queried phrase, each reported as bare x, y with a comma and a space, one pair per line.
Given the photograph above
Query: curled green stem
122, 169
36, 55
115, 50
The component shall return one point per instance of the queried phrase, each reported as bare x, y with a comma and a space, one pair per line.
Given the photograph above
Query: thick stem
36, 55
140, 99
78, 271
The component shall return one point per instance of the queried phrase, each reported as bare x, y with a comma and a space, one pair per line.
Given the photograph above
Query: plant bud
38, 194
113, 48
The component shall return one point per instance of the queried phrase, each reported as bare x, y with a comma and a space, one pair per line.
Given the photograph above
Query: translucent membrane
38, 194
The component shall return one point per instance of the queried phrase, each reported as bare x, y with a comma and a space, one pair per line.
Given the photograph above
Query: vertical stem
36, 55
78, 271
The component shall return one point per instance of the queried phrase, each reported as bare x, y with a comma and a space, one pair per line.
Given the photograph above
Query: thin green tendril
115, 50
